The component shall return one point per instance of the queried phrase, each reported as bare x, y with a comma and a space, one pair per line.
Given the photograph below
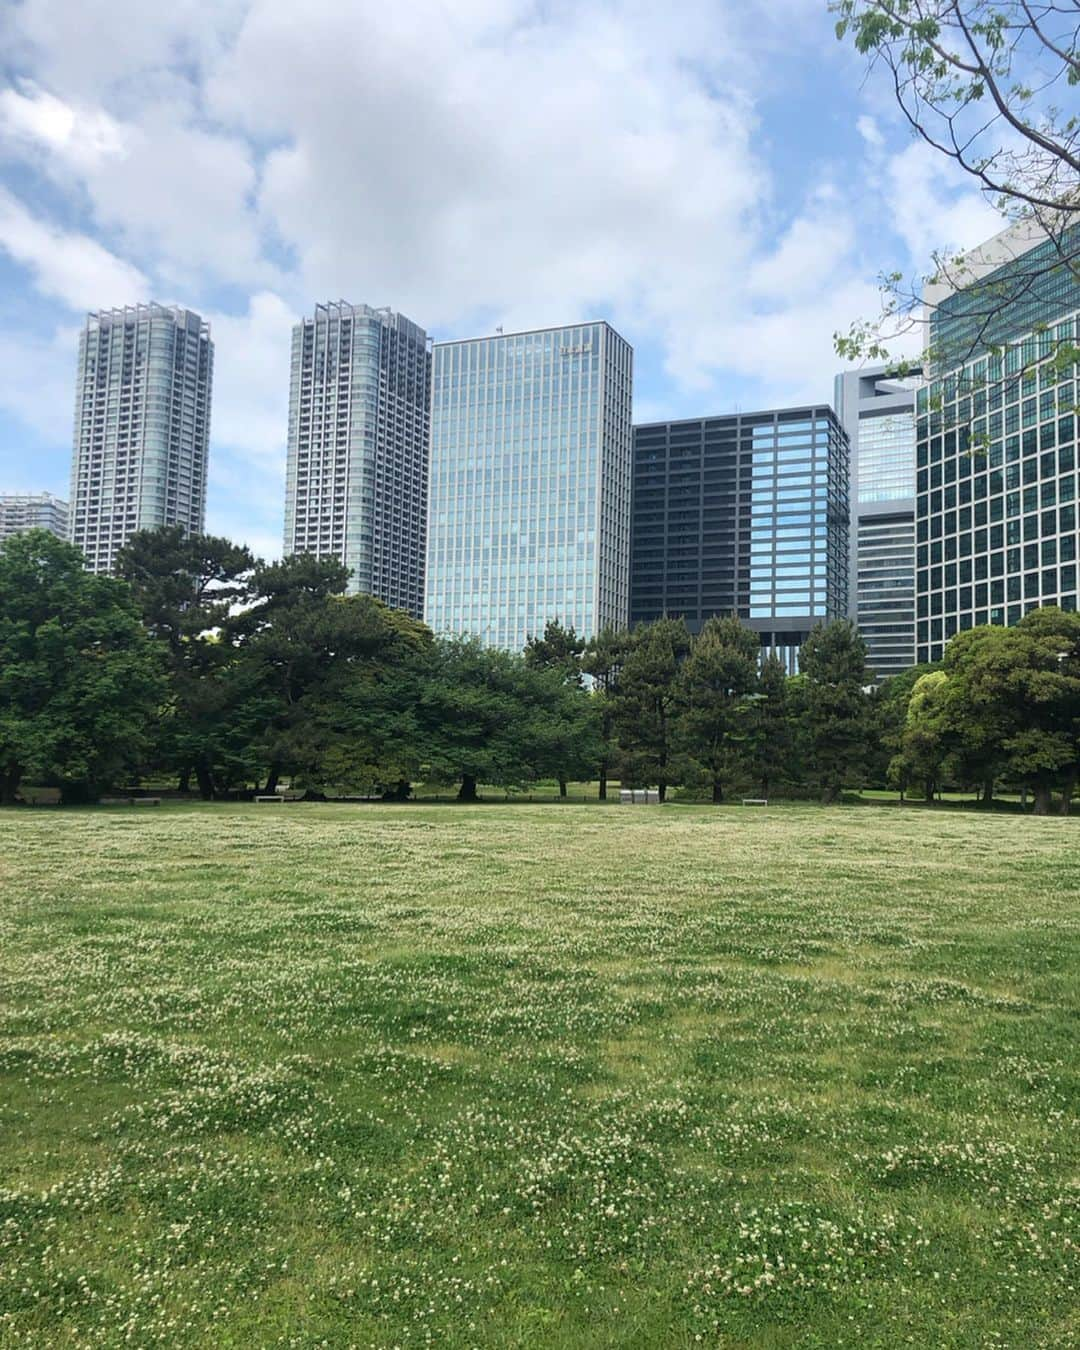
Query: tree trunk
403, 791
562, 787
829, 794
184, 781
1042, 799
272, 778
205, 780
467, 791
988, 791
9, 785
662, 790
928, 791
1067, 792
603, 782
717, 791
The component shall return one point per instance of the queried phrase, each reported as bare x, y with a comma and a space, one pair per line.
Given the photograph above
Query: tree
602, 662
1017, 699
833, 661
991, 84
299, 647
926, 740
772, 744
187, 586
81, 681
561, 650
645, 706
715, 694
487, 716
888, 710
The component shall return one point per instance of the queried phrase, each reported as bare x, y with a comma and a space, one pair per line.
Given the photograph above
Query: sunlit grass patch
518, 1076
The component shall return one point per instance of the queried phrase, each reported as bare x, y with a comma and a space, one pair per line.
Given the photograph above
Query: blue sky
720, 180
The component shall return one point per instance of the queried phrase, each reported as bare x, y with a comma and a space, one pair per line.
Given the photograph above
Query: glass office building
529, 510
878, 413
22, 511
996, 527
743, 515
359, 428
142, 427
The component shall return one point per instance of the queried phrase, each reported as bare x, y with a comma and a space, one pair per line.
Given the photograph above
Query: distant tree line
200, 662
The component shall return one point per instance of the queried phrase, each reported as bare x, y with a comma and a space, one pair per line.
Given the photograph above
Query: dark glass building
743, 515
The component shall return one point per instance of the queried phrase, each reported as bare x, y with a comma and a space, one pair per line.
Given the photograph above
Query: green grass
536, 1076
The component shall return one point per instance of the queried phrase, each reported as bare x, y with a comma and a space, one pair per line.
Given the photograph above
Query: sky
719, 180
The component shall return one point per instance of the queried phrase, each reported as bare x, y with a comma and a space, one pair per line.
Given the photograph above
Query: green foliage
489, 716
187, 588
645, 707
716, 690
80, 678
833, 661
990, 84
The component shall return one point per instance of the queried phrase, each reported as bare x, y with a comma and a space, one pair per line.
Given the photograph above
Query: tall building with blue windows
529, 506
878, 412
996, 444
743, 515
356, 472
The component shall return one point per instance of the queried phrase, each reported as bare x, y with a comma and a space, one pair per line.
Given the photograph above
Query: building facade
142, 427
529, 512
22, 511
744, 515
359, 429
878, 413
996, 526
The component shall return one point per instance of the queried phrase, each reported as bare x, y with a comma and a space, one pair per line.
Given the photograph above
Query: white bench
755, 801
639, 797
275, 798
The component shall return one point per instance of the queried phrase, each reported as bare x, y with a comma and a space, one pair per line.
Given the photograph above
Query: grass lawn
538, 1076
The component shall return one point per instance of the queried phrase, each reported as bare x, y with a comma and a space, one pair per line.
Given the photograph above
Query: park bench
755, 801
639, 797
274, 797
131, 801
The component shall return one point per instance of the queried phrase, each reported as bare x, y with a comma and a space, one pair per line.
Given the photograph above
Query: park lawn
538, 1076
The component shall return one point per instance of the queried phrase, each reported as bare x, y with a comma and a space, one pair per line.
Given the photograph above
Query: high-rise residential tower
877, 409
359, 428
142, 427
22, 511
529, 513
996, 451
744, 515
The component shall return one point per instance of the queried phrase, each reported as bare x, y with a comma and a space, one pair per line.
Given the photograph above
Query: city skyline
710, 192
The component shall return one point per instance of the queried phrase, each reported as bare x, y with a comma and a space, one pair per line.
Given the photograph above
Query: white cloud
70, 267
491, 161
35, 119
38, 387
934, 206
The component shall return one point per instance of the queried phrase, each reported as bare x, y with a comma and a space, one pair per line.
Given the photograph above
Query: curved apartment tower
359, 422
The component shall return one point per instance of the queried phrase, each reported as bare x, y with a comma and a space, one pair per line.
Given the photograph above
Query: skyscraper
878, 413
996, 453
529, 515
142, 427
744, 515
359, 428
22, 511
